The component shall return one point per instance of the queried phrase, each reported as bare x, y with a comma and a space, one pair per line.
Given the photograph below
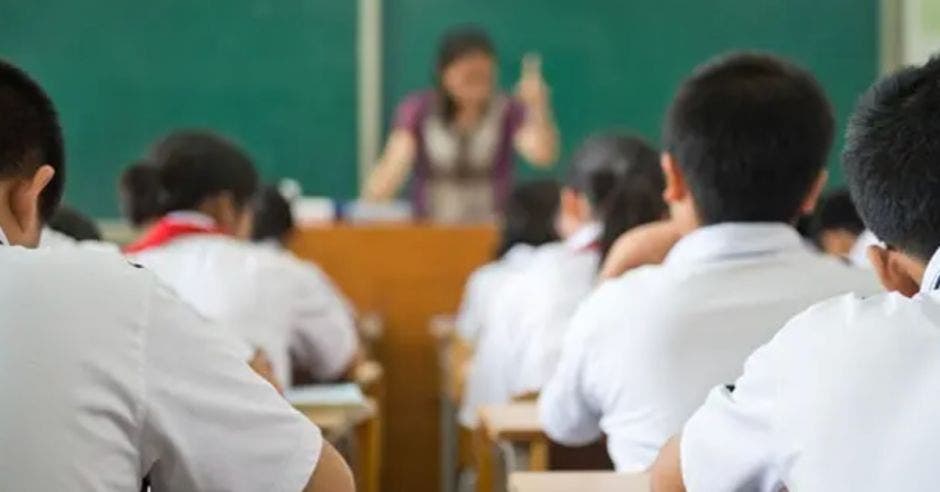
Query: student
205, 183
614, 184
746, 140
836, 225
529, 223
845, 396
108, 378
272, 228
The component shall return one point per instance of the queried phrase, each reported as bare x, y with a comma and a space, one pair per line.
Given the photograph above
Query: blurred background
309, 86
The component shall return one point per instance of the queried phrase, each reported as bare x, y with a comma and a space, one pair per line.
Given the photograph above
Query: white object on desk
326, 395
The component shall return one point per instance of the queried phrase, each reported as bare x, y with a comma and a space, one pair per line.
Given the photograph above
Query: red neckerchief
166, 230
591, 247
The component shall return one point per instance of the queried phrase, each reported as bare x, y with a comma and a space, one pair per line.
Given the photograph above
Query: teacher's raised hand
537, 139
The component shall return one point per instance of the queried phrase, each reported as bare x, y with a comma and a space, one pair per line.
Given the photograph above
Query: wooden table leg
369, 436
538, 455
483, 452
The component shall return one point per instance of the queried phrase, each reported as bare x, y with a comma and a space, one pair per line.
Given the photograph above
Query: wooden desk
514, 423
337, 421
579, 481
405, 274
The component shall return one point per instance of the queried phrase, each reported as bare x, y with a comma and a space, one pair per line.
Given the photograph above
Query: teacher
458, 140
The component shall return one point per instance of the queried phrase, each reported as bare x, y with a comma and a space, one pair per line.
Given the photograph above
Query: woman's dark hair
182, 170
74, 224
273, 217
621, 178
530, 215
455, 44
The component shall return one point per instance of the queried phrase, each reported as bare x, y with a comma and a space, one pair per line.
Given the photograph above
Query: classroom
455, 245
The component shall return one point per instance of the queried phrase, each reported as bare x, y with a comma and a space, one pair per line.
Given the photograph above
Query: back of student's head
74, 224
530, 215
836, 211
30, 135
621, 178
750, 134
273, 218
892, 159
183, 170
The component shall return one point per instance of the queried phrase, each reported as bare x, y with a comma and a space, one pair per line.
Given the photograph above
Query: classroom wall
276, 75
616, 63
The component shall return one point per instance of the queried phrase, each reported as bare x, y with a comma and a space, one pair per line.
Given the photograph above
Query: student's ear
897, 271
809, 202
676, 189
24, 201
573, 211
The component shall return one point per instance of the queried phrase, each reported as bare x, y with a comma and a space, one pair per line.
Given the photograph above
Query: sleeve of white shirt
324, 339
567, 412
470, 315
728, 442
209, 422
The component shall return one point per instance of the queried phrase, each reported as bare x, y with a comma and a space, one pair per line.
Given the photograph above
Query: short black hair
620, 176
30, 135
273, 217
892, 159
74, 224
834, 211
751, 133
530, 215
185, 168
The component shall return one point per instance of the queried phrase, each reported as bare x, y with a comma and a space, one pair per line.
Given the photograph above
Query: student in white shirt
836, 228
846, 396
110, 381
614, 184
746, 139
272, 228
260, 296
529, 222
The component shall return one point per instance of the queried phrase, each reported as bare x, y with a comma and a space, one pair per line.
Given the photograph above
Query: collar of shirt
192, 217
735, 240
518, 253
931, 280
3, 238
585, 236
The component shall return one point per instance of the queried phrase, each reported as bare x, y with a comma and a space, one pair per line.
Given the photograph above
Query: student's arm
537, 137
647, 244
729, 443
667, 471
393, 168
324, 340
332, 473
208, 422
566, 408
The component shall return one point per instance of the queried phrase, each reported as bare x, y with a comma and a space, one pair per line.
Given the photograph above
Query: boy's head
746, 139
32, 160
273, 220
892, 166
836, 225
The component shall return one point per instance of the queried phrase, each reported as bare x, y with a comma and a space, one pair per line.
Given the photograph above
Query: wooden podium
406, 273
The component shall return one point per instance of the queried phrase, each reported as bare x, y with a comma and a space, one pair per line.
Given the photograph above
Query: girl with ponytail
614, 184
197, 188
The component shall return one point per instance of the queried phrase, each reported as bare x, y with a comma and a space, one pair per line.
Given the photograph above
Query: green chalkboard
276, 75
616, 63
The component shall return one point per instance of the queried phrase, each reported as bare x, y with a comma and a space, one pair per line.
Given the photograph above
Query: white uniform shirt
52, 238
844, 398
267, 299
645, 349
858, 255
494, 374
482, 287
107, 376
